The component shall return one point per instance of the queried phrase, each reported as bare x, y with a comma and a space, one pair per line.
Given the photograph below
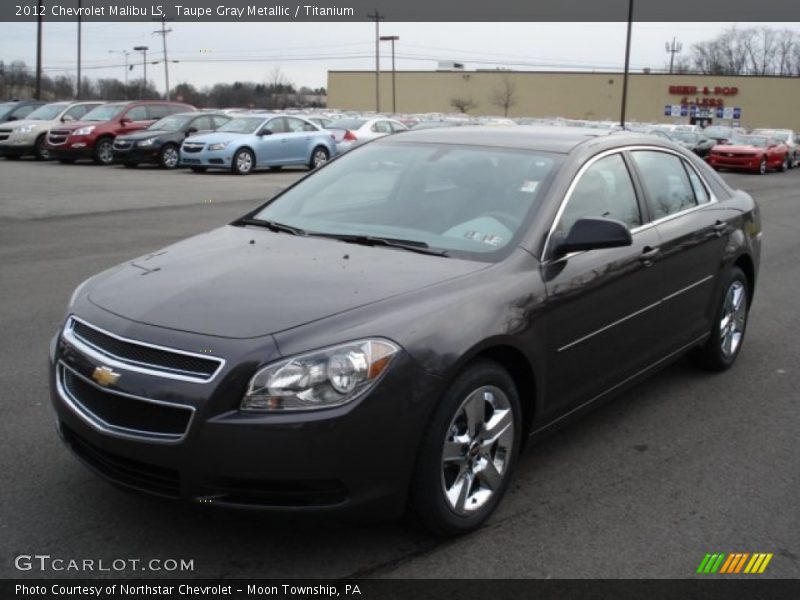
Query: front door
602, 303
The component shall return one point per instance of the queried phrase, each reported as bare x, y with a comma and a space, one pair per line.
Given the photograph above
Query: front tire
318, 158
468, 452
169, 157
762, 167
730, 322
785, 164
104, 151
40, 151
243, 162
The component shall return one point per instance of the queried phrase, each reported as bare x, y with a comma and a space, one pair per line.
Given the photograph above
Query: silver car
27, 137
353, 131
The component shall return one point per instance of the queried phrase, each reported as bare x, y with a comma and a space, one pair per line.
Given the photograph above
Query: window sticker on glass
529, 187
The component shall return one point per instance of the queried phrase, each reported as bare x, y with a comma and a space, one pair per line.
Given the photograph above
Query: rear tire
319, 156
468, 452
729, 325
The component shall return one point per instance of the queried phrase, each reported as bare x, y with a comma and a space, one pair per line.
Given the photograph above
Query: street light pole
143, 50
627, 66
378, 17
78, 86
393, 39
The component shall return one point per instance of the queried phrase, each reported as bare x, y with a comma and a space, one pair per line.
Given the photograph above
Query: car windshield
466, 200
346, 124
750, 140
6, 108
721, 132
171, 123
685, 136
242, 125
106, 112
48, 112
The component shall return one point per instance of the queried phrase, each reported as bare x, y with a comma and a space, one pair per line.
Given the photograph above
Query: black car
16, 110
696, 142
161, 142
391, 329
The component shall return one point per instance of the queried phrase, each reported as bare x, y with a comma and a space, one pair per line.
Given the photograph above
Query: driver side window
277, 125
603, 190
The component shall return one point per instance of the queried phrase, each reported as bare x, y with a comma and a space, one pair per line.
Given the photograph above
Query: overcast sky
225, 52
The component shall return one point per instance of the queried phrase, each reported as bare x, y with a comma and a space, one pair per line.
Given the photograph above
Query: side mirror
191, 131
67, 119
125, 120
265, 132
594, 234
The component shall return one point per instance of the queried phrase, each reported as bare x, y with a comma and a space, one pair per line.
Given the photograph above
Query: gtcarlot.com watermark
48, 563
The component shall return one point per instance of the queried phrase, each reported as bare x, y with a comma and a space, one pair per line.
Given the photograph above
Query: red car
757, 153
93, 136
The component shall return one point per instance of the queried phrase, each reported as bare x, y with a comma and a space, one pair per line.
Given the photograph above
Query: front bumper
135, 154
20, 147
210, 159
357, 456
745, 163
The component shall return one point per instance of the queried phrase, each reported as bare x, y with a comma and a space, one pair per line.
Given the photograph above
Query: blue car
259, 140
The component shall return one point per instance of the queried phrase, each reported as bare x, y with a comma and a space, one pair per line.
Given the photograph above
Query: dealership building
750, 101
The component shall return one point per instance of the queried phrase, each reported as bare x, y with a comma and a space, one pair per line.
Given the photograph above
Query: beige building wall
765, 101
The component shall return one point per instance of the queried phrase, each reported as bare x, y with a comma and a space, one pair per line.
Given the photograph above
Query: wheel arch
745, 263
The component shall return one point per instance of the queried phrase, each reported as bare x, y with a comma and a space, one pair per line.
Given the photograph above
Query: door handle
648, 255
720, 228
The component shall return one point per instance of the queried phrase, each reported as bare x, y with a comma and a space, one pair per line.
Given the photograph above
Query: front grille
191, 161
124, 471
192, 148
121, 413
58, 136
122, 145
160, 361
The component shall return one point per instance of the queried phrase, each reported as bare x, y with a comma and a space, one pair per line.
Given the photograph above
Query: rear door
134, 119
694, 230
299, 136
602, 303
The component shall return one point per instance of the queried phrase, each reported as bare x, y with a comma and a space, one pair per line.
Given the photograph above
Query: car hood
147, 134
246, 282
23, 122
218, 136
738, 148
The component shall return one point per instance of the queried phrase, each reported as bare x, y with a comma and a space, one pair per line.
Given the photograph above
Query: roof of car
537, 137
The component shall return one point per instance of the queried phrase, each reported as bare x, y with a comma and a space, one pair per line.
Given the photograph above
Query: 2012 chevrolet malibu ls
389, 331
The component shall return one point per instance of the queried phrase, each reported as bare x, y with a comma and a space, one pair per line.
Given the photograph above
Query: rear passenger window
203, 124
219, 121
76, 112
158, 111
700, 192
604, 190
668, 188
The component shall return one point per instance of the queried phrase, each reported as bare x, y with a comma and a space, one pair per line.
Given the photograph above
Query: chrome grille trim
99, 424
112, 360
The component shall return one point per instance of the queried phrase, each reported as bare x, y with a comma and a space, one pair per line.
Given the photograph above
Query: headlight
84, 130
320, 379
218, 146
148, 142
25, 128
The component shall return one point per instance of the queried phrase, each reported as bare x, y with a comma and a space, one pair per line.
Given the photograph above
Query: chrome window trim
547, 252
102, 356
659, 302
115, 430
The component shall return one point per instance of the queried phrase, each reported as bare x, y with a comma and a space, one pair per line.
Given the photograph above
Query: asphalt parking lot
644, 486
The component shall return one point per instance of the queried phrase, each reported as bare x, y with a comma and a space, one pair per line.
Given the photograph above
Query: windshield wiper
271, 225
371, 240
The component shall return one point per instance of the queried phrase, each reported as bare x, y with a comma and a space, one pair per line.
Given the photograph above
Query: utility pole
163, 33
38, 93
674, 48
124, 53
393, 39
143, 50
78, 86
627, 66
378, 18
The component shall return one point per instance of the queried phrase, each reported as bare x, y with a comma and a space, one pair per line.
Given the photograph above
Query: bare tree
785, 47
506, 96
763, 50
463, 105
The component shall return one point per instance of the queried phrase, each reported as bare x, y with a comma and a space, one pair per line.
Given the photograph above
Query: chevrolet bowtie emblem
105, 376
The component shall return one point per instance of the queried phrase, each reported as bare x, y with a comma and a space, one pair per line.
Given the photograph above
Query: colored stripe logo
734, 563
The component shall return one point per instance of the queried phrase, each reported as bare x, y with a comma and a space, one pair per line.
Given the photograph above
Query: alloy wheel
734, 314
244, 162
42, 153
320, 158
105, 154
477, 450
762, 167
170, 157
